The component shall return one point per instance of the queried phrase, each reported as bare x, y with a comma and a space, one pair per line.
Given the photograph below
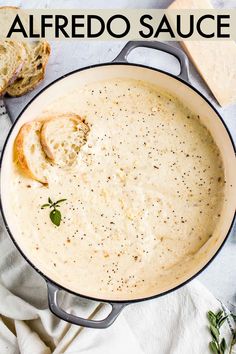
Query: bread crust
9, 7
19, 152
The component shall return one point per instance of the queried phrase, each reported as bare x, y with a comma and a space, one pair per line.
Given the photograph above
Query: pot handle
167, 48
53, 292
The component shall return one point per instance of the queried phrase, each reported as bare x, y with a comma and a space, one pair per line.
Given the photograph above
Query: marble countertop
219, 277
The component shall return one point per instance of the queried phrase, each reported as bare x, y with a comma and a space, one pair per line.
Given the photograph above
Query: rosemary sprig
55, 214
218, 345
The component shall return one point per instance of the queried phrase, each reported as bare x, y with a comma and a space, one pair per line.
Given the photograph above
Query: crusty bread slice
29, 153
33, 71
62, 137
12, 58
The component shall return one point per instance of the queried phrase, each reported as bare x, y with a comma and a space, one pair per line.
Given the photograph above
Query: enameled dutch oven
192, 98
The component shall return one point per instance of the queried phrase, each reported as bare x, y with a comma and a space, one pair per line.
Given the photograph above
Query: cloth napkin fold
172, 324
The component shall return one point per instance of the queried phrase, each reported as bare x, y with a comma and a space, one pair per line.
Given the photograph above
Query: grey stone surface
220, 276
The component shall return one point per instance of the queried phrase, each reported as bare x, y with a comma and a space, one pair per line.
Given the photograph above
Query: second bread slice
62, 137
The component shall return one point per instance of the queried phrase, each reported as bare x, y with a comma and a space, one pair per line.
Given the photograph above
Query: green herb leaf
219, 315
213, 347
217, 345
211, 314
214, 332
221, 321
55, 216
45, 206
223, 345
60, 201
212, 318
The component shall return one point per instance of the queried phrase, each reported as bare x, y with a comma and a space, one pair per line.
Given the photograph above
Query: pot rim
46, 278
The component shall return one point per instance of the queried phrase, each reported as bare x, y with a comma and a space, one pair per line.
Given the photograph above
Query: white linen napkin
172, 324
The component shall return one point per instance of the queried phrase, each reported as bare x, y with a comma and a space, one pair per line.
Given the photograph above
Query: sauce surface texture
143, 199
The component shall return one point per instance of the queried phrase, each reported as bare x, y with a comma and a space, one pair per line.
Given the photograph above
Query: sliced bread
29, 153
62, 137
33, 71
12, 59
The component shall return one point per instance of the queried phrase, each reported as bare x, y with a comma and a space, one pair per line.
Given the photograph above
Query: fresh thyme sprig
55, 214
218, 345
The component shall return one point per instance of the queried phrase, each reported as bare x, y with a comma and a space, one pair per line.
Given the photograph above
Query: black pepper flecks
146, 194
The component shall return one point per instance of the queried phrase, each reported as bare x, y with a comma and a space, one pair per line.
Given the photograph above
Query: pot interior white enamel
189, 96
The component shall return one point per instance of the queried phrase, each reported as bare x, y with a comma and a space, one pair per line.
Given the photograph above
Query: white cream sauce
143, 199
